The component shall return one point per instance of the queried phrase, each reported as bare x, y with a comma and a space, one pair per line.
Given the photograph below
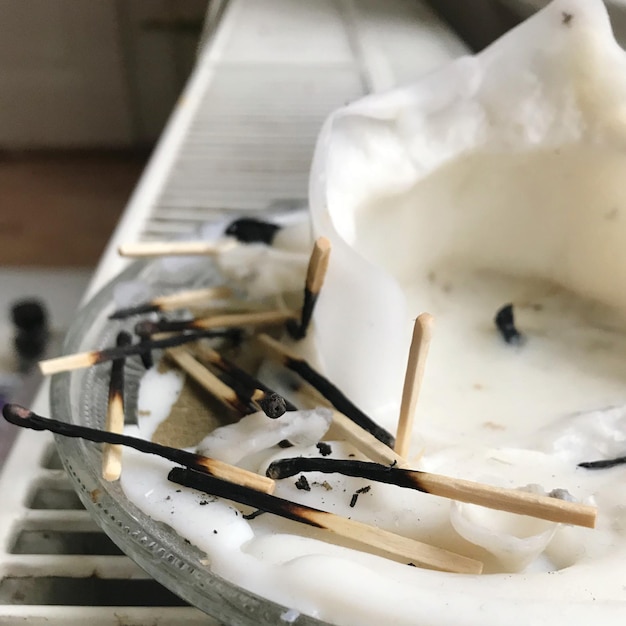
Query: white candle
510, 161
493, 180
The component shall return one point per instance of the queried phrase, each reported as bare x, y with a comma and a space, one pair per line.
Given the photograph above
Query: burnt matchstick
175, 248
19, 416
260, 318
94, 357
173, 301
604, 463
418, 352
316, 272
271, 404
112, 454
513, 501
238, 375
325, 388
505, 323
407, 550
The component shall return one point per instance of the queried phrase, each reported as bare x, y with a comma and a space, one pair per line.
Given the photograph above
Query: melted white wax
497, 179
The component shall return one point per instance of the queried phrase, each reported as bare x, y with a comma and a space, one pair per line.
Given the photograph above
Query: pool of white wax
480, 389
542, 230
579, 577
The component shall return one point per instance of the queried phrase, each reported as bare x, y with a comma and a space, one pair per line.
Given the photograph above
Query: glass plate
80, 397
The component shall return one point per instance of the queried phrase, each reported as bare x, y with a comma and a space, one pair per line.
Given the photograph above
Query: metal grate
240, 139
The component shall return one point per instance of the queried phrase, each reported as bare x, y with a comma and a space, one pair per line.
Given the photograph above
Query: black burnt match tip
604, 463
251, 230
505, 323
273, 405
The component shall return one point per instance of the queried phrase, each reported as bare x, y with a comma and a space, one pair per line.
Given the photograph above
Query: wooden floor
59, 210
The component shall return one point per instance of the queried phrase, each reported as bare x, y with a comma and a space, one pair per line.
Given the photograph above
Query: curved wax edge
511, 159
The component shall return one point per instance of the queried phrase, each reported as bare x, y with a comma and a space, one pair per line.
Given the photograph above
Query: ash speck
302, 483
324, 448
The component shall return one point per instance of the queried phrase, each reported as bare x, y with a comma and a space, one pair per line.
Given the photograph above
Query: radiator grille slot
51, 459
63, 542
93, 591
55, 498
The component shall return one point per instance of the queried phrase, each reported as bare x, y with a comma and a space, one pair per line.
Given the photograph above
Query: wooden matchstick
260, 318
250, 383
19, 416
316, 272
325, 387
408, 550
112, 454
94, 357
420, 343
174, 301
259, 400
175, 248
511, 500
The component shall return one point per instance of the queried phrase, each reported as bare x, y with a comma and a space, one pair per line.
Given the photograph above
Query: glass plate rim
152, 545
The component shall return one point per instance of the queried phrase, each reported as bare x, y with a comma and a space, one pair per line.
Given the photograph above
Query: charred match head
273, 405
16, 414
505, 323
250, 230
